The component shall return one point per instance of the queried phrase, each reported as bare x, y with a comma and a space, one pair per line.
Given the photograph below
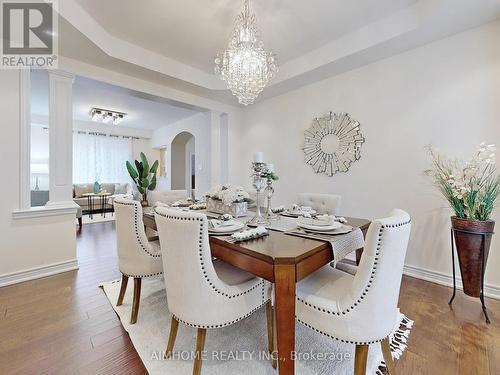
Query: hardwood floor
65, 325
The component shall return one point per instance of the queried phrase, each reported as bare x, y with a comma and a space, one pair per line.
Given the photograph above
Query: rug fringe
397, 342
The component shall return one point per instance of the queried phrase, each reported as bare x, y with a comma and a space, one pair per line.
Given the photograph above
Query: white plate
227, 229
342, 230
322, 228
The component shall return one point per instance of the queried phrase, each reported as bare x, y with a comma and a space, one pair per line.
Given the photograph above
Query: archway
183, 158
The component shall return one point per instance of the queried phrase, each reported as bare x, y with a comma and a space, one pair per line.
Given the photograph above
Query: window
100, 157
39, 163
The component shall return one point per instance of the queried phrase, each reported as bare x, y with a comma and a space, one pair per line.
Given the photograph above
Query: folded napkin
319, 221
250, 234
301, 210
216, 223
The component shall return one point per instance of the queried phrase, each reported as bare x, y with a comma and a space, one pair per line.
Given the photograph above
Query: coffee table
102, 197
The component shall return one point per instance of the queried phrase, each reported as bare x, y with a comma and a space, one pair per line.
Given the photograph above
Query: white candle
270, 168
258, 157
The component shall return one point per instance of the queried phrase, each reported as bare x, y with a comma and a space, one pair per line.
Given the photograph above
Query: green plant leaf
154, 167
145, 171
131, 171
141, 190
152, 185
140, 167
144, 182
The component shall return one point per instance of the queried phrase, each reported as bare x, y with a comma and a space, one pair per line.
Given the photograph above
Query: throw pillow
81, 189
120, 189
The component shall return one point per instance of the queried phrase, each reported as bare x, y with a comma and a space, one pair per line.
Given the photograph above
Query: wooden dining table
284, 260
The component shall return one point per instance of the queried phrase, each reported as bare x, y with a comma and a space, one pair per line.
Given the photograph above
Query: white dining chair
321, 203
360, 309
203, 293
137, 257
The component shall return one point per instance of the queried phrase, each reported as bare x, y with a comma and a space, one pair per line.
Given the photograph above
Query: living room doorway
183, 159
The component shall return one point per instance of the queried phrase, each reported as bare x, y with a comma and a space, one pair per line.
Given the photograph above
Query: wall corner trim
38, 272
490, 290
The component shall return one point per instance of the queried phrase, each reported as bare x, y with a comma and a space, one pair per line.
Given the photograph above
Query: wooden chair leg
275, 341
80, 224
386, 350
137, 299
174, 325
200, 345
270, 329
360, 359
123, 288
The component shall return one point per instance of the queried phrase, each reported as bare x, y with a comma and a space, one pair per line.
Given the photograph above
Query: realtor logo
29, 30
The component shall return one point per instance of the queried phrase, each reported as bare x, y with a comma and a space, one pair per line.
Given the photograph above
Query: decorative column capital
58, 73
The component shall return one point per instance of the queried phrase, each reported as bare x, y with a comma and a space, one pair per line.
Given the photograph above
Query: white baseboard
38, 272
492, 291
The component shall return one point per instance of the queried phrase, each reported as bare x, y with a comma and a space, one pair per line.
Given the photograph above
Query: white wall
144, 145
446, 93
199, 126
26, 244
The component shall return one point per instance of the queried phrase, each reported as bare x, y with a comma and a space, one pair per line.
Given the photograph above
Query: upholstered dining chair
201, 292
321, 203
360, 309
137, 257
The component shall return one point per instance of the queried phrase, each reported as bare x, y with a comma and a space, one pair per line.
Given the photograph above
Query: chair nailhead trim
222, 324
370, 281
202, 264
146, 247
149, 275
336, 338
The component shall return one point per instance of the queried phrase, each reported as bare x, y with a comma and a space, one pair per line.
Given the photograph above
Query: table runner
342, 244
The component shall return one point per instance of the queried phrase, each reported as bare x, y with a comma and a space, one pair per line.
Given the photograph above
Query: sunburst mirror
332, 143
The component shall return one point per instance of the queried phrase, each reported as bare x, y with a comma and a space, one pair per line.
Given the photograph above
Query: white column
60, 138
224, 148
25, 140
215, 148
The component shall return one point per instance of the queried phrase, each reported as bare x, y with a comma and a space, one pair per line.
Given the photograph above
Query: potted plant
144, 176
472, 189
228, 199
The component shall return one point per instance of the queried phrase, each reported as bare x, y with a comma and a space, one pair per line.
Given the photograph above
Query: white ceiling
173, 42
193, 31
142, 113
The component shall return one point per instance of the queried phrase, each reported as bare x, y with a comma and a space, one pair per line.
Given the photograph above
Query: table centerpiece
228, 199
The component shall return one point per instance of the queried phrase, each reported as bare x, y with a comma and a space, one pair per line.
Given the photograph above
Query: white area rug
97, 218
238, 349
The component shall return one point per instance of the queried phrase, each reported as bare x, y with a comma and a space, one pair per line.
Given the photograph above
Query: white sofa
115, 189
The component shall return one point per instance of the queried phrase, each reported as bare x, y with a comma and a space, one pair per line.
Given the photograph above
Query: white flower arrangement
471, 188
228, 194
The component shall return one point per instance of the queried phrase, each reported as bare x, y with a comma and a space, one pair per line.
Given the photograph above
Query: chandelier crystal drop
245, 65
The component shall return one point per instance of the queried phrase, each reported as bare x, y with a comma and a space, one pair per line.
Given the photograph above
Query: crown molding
132, 53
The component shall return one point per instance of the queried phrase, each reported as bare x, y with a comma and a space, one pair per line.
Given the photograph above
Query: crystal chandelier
245, 65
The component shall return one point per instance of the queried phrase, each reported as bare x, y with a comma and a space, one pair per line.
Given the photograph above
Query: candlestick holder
259, 170
269, 192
